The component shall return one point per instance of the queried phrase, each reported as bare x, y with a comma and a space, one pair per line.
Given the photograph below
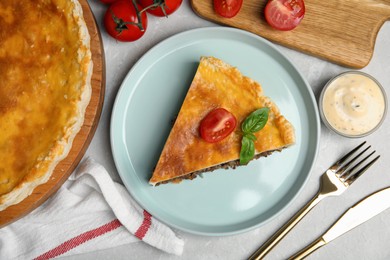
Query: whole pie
217, 84
45, 69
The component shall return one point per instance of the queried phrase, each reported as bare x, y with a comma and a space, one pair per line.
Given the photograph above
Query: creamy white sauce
353, 104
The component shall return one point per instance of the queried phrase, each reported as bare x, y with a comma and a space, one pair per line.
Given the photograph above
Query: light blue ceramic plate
225, 201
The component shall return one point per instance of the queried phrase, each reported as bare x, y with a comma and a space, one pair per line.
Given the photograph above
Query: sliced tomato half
217, 125
284, 15
227, 8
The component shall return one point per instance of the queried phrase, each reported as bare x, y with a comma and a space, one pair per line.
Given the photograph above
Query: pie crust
46, 68
218, 84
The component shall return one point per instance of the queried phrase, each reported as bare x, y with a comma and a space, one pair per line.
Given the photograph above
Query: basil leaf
252, 124
255, 121
250, 136
247, 149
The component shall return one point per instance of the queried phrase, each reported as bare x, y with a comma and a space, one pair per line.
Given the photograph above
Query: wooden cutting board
342, 32
83, 138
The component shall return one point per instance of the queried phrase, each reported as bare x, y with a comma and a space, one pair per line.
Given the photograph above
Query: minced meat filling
226, 166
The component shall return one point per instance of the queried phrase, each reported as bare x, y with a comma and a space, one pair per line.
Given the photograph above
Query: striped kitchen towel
89, 212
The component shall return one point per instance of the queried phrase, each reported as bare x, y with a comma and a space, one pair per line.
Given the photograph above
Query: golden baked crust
217, 84
45, 68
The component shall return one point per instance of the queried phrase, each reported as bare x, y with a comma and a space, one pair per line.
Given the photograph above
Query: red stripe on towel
80, 239
143, 229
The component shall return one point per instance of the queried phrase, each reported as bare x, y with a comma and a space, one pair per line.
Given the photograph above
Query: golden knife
362, 211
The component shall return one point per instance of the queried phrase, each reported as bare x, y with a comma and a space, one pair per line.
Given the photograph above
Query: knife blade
362, 211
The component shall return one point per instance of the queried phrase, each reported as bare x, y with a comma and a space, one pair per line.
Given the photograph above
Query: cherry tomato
227, 8
284, 15
217, 125
121, 21
160, 7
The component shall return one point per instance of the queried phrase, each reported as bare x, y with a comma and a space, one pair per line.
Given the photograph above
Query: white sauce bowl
353, 104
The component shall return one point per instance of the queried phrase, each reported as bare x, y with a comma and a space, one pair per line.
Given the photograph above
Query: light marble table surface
368, 241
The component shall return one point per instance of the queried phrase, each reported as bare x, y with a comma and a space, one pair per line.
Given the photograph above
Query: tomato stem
122, 25
156, 4
139, 24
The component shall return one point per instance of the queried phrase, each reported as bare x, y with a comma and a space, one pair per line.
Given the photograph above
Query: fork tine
346, 157
351, 178
344, 168
359, 163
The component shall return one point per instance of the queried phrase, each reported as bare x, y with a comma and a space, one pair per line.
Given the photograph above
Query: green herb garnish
252, 124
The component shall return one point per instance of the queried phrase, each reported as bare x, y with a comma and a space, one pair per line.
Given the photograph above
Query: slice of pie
218, 85
45, 71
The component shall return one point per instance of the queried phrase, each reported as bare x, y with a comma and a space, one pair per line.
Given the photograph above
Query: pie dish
46, 69
217, 84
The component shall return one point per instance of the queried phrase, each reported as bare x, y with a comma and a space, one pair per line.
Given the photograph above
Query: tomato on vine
160, 7
124, 21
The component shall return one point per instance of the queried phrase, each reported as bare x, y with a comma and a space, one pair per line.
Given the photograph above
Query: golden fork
333, 183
